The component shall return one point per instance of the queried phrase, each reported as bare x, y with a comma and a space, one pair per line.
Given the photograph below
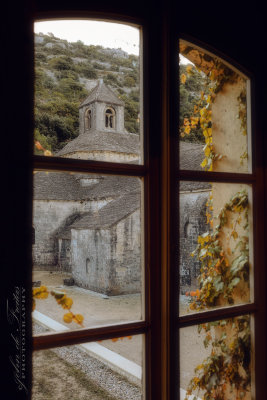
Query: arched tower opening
88, 119
110, 118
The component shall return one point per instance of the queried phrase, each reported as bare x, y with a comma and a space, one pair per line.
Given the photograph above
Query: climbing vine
217, 75
228, 365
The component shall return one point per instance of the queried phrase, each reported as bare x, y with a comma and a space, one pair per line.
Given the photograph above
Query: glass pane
87, 91
216, 360
106, 370
87, 251
215, 245
214, 113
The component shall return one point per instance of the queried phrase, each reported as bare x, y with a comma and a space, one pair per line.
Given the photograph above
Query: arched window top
110, 118
88, 118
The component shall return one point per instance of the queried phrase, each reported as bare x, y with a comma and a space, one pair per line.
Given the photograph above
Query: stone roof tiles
109, 215
103, 141
102, 93
66, 186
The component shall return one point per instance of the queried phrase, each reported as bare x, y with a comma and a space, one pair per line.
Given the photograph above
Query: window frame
255, 308
161, 332
42, 163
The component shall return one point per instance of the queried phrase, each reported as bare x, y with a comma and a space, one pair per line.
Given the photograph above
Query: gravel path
103, 377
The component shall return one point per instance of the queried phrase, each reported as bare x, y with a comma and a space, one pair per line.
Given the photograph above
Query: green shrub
61, 63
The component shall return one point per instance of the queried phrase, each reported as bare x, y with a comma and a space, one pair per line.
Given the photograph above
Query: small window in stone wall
88, 119
87, 265
110, 118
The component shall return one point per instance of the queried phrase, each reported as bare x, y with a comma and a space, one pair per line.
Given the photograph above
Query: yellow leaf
207, 151
67, 303
67, 318
234, 234
194, 121
43, 295
38, 145
47, 153
186, 121
203, 112
204, 163
189, 69
187, 130
209, 140
78, 318
183, 78
212, 75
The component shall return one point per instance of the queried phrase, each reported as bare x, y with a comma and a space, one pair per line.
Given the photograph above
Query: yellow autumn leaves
203, 118
40, 147
62, 299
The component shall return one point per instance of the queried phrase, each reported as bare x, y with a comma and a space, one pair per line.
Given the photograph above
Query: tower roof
102, 93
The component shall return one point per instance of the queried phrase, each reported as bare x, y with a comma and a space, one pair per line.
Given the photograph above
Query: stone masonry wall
90, 250
48, 217
108, 260
192, 224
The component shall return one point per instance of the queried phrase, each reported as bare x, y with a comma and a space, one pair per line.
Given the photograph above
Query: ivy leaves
228, 364
62, 299
217, 277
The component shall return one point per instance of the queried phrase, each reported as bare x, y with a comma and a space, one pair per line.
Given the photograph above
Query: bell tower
102, 110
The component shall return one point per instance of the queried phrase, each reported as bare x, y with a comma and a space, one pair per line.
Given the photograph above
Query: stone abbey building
90, 225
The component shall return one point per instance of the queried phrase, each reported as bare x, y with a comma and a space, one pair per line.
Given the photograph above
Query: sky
106, 34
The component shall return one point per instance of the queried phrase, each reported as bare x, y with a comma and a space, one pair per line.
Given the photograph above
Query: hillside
65, 73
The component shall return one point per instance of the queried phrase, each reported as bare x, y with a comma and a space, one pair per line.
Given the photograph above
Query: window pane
214, 113
87, 249
215, 245
216, 360
106, 370
87, 91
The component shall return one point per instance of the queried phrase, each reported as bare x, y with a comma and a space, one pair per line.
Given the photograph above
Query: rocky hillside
65, 73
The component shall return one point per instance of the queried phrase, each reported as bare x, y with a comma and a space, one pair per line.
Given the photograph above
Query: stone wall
108, 260
98, 117
192, 224
48, 218
64, 255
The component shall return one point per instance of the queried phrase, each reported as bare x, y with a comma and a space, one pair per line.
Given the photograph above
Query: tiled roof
191, 156
66, 186
111, 214
102, 93
103, 141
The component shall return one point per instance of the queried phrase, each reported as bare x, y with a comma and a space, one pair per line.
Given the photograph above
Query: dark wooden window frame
161, 325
